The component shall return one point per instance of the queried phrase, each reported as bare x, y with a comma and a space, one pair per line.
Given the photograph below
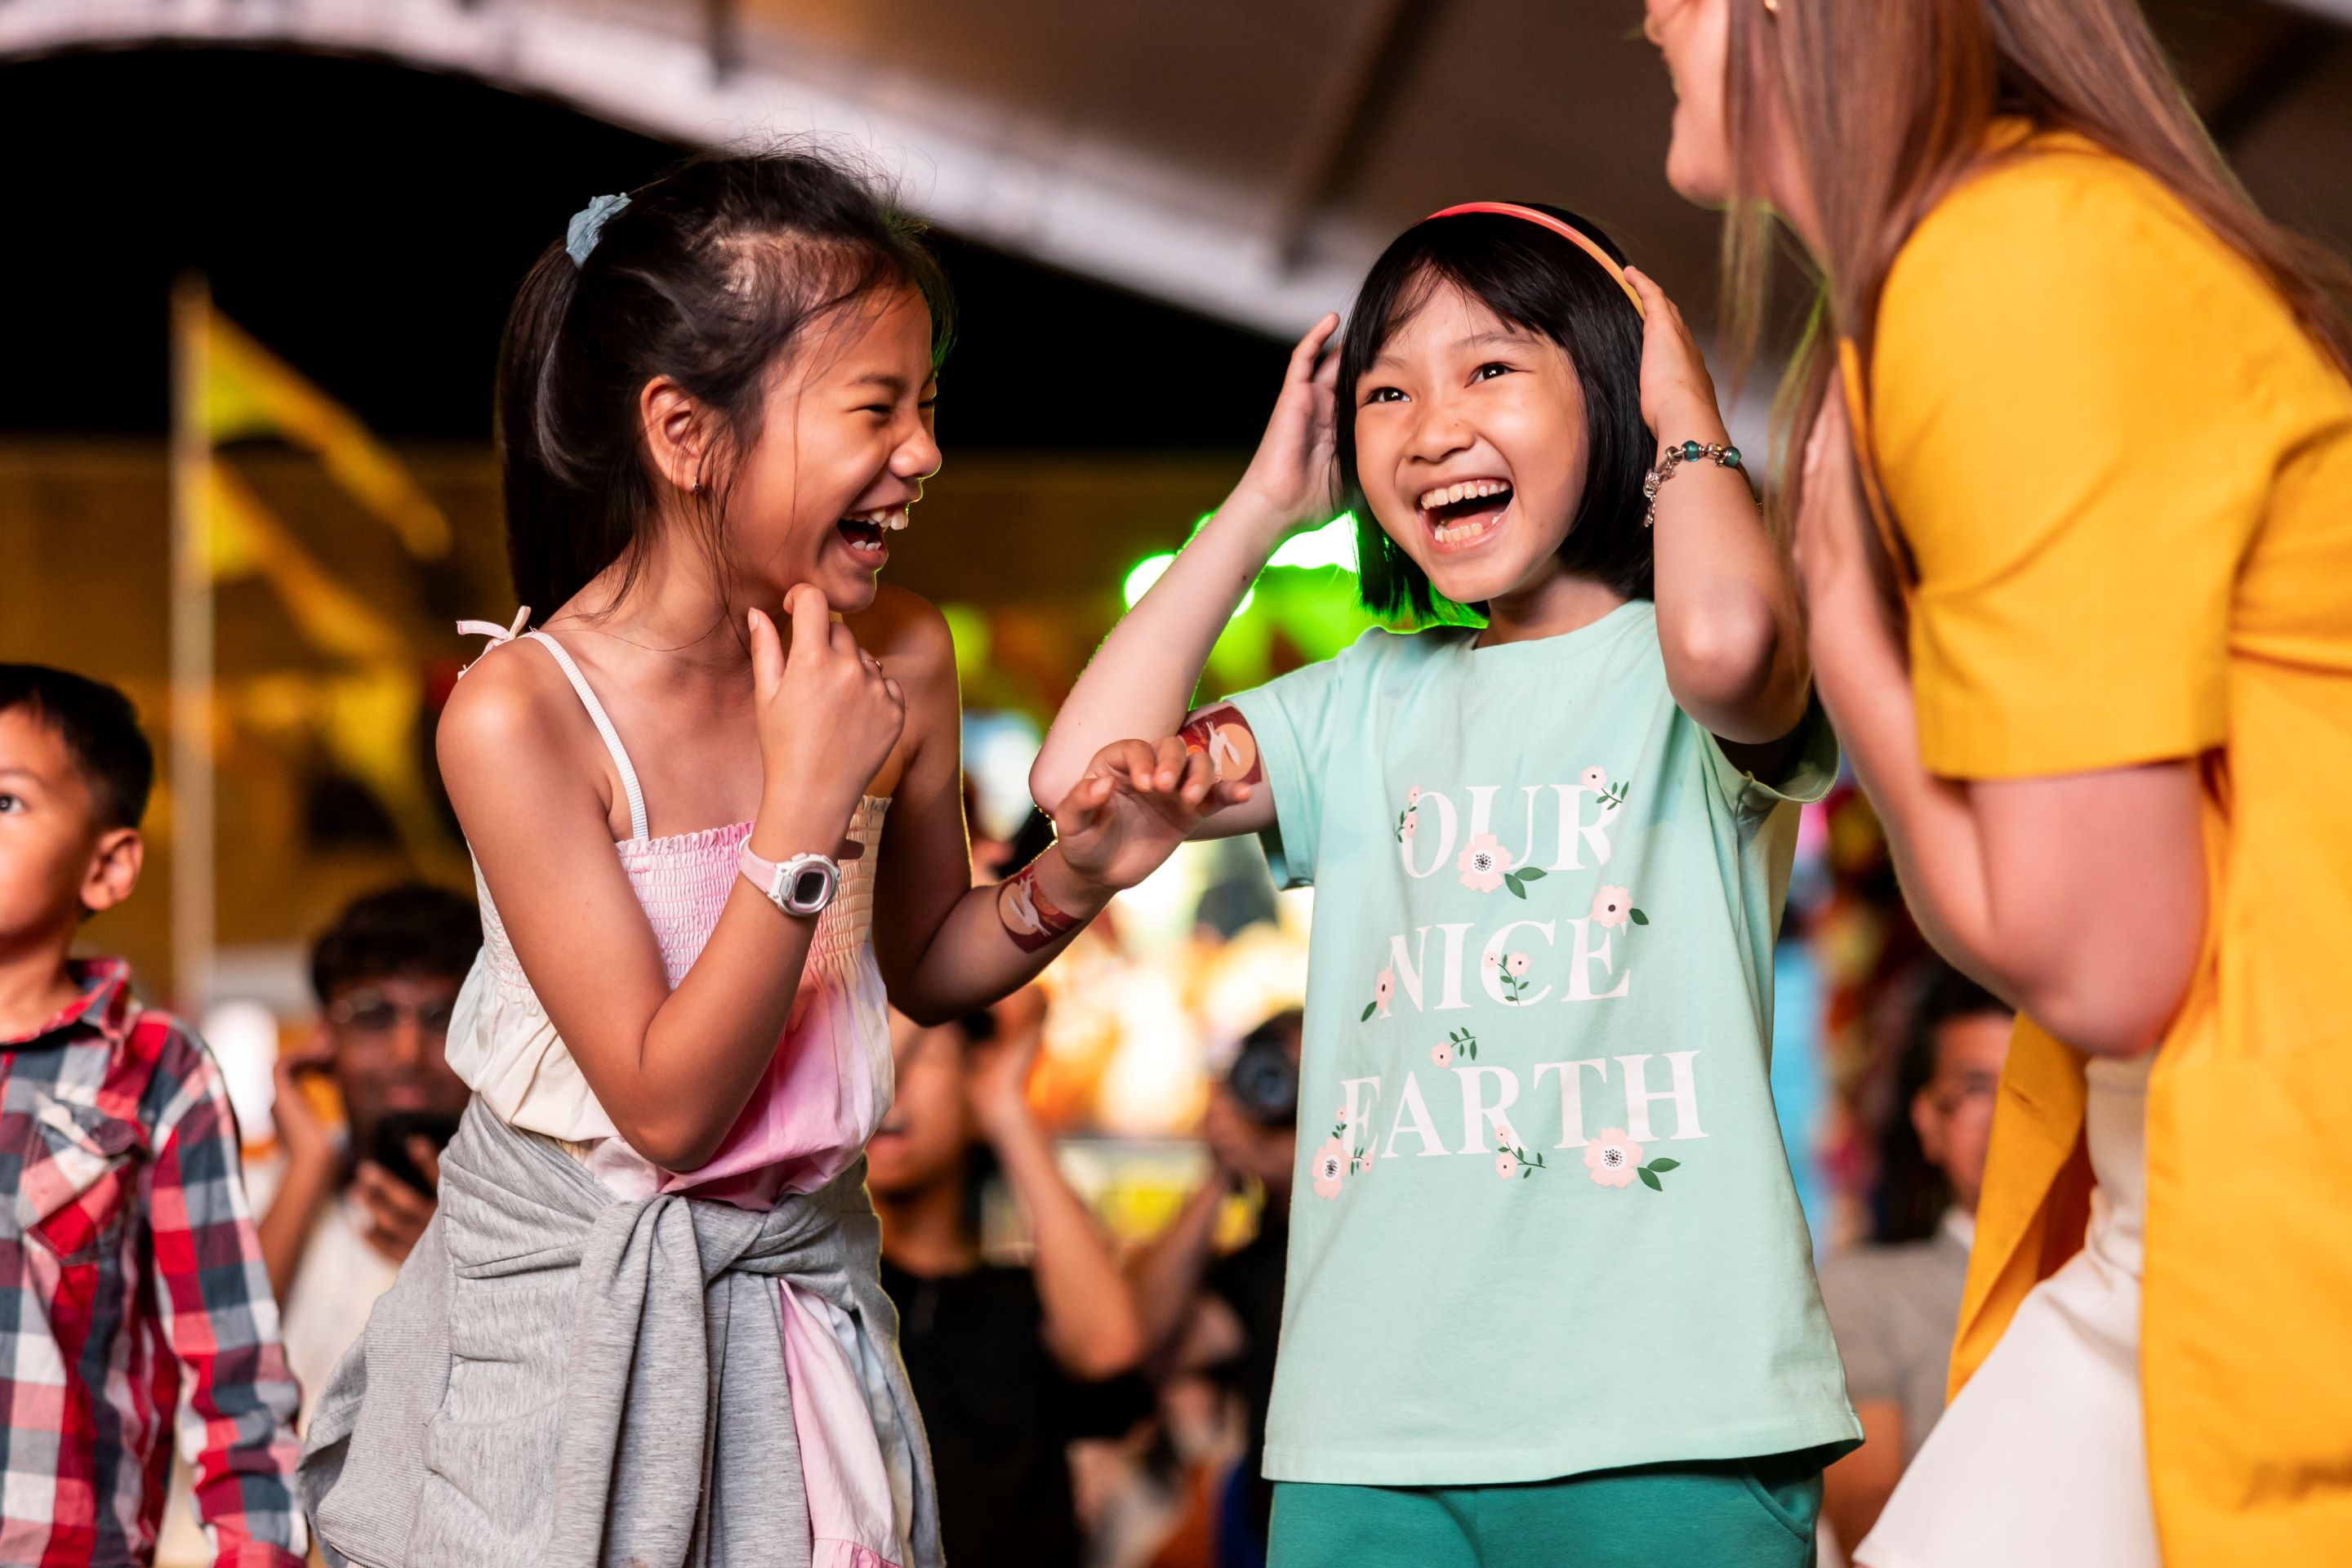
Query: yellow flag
248, 391
363, 704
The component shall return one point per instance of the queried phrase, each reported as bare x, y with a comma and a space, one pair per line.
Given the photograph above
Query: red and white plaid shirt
131, 1280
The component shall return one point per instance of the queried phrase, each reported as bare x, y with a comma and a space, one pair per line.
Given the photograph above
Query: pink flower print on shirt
1613, 1158
1484, 864
1506, 1165
1409, 819
1511, 975
1614, 906
1330, 1168
1383, 987
1364, 1160
1442, 1054
1594, 779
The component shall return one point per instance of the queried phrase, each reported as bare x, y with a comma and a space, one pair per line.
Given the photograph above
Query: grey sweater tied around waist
563, 1378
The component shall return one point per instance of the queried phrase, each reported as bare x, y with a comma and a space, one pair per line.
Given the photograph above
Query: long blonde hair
1887, 105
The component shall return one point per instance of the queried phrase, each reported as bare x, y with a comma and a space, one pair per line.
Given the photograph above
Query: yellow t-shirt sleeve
2069, 421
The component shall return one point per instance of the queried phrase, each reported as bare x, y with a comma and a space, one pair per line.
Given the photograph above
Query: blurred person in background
1224, 1315
1895, 1304
349, 1204
1010, 1364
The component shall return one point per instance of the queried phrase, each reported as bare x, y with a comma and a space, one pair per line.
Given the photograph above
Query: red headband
1567, 231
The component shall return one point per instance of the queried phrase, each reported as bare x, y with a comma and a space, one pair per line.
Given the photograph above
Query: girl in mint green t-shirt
1550, 1297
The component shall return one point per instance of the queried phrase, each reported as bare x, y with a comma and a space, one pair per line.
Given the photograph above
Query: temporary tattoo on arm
1031, 918
1226, 737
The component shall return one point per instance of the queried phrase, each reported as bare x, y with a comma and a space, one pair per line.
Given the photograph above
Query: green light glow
1145, 572
1148, 570
1333, 545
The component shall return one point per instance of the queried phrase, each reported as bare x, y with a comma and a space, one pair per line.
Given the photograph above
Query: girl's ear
677, 432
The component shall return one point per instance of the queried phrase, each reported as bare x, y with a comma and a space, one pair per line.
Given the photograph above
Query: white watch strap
772, 878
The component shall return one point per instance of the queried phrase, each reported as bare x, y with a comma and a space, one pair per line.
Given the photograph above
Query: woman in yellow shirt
2082, 612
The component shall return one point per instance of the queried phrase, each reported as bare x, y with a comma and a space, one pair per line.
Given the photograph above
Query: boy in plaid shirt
131, 1281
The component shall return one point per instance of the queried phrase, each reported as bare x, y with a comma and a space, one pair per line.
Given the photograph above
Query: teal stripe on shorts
1731, 1513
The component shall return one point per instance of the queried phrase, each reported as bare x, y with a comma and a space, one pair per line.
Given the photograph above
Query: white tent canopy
1242, 157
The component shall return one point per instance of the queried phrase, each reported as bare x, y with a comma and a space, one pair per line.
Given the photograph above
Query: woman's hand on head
1134, 805
1293, 478
828, 717
1679, 399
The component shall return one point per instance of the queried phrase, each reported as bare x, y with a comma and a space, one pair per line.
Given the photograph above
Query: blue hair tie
580, 235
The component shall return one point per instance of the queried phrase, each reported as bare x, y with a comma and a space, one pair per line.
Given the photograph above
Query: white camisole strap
604, 728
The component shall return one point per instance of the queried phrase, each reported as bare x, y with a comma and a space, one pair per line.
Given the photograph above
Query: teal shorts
1730, 1513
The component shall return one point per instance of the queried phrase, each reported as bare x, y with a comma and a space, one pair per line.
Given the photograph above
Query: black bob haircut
1542, 283
101, 732
412, 929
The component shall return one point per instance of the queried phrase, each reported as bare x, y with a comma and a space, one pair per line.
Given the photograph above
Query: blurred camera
1264, 1078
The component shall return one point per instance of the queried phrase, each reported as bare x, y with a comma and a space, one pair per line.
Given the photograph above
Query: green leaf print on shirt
1653, 1170
1515, 1161
1517, 880
1611, 796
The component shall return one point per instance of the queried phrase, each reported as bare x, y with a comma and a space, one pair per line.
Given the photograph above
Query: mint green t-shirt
1542, 1223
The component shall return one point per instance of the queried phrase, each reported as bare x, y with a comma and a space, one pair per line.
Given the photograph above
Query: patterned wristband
1675, 456
1031, 918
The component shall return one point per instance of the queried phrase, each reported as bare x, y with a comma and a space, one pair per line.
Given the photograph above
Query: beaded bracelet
1675, 456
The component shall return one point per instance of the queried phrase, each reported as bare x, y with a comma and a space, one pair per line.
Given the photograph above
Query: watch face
810, 889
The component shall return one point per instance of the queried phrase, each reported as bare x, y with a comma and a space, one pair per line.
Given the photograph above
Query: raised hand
1678, 400
996, 1071
1134, 805
1293, 478
308, 1141
827, 714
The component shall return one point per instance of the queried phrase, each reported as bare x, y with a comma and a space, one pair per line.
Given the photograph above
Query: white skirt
2042, 1462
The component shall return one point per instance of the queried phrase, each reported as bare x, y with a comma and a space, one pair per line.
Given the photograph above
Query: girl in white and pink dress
646, 1324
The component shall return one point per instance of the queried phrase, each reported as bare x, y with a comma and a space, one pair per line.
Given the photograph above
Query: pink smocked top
825, 1089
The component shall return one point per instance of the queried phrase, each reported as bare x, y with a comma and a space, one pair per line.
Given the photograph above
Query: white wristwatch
803, 885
